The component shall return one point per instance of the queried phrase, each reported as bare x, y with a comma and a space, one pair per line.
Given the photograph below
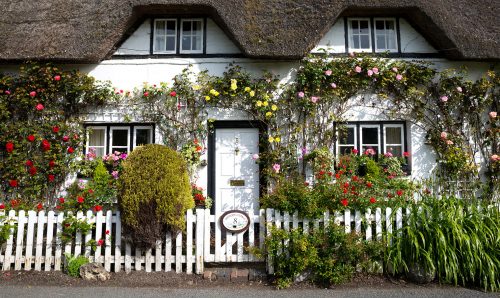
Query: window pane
120, 137
186, 43
197, 27
197, 43
365, 41
171, 27
186, 27
381, 42
395, 150
96, 137
370, 135
379, 25
170, 43
346, 150
142, 137
389, 25
363, 27
354, 25
347, 136
391, 43
393, 135
98, 151
160, 28
160, 43
355, 42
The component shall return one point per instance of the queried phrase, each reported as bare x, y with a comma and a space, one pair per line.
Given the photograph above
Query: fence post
199, 237
269, 224
39, 241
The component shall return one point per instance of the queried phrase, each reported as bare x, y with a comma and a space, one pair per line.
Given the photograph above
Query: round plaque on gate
235, 221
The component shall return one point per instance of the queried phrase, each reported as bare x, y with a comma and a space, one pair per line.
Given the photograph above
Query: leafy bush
74, 264
457, 238
153, 193
329, 254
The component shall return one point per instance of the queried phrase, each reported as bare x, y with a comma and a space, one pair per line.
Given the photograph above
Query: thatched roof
88, 31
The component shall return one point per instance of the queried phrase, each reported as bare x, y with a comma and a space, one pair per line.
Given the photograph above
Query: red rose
75, 137
33, 93
98, 208
31, 138
344, 202
2, 206
29, 163
13, 183
173, 93
330, 174
198, 148
372, 200
337, 176
58, 207
14, 203
57, 78
9, 147
91, 191
61, 200
369, 184
39, 107
146, 94
51, 177
100, 242
107, 232
399, 192
39, 206
65, 138
355, 178
71, 150
55, 129
80, 200
45, 145
32, 171
52, 164
7, 92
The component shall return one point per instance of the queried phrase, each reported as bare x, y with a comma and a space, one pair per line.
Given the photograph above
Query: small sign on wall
235, 221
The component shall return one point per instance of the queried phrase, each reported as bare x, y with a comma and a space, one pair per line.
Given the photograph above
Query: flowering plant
199, 198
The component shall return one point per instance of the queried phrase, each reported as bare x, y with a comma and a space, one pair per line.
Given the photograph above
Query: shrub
153, 193
74, 264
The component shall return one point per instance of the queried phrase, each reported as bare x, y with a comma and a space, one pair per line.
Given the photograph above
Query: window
372, 35
178, 36
381, 137
105, 139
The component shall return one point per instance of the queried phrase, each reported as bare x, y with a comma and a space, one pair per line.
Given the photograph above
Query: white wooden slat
200, 238
90, 218
58, 253
138, 259
277, 224
21, 220
7, 260
239, 248
388, 220
338, 218
158, 255
39, 258
262, 228
218, 242
269, 220
107, 240
251, 234
316, 224
48, 243
378, 224
228, 246
128, 257
178, 253
326, 218
189, 241
347, 221
78, 237
295, 219
207, 255
168, 252
399, 219
368, 218
357, 221
99, 220
118, 241
30, 235
305, 225
147, 260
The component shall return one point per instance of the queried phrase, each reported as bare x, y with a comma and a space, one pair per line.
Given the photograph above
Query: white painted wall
139, 42
411, 41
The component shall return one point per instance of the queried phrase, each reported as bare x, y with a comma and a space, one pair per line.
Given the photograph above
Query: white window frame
350, 34
113, 128
200, 51
142, 127
353, 126
87, 144
385, 33
166, 35
401, 126
362, 145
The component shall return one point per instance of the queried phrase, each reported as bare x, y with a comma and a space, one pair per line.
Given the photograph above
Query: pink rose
449, 142
57, 78
444, 135
352, 54
394, 69
459, 89
399, 77
173, 93
146, 94
444, 98
333, 85
328, 72
314, 99
65, 138
388, 154
357, 69
495, 157
255, 156
492, 114
33, 93
375, 70
300, 94
406, 154
39, 107
276, 167
370, 72
7, 92
355, 151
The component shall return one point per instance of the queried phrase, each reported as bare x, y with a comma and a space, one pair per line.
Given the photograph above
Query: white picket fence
36, 244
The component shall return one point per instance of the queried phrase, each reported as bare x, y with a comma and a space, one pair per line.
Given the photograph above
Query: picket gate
35, 242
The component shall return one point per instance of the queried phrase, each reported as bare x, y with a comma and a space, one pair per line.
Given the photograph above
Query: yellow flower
274, 107
196, 87
269, 114
252, 93
265, 103
214, 92
271, 139
266, 96
234, 85
277, 139
247, 89
207, 98
259, 103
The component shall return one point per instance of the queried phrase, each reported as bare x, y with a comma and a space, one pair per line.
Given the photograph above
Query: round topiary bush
154, 193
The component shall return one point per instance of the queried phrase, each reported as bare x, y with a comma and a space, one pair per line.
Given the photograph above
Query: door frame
213, 126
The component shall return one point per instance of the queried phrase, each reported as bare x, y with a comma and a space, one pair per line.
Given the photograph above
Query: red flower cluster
45, 145
9, 147
31, 138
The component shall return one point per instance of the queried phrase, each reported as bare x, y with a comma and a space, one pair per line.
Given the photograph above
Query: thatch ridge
89, 31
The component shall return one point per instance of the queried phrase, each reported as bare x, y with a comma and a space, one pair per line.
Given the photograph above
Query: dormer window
372, 35
178, 36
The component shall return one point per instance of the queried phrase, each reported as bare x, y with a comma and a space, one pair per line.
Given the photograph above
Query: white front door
236, 172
